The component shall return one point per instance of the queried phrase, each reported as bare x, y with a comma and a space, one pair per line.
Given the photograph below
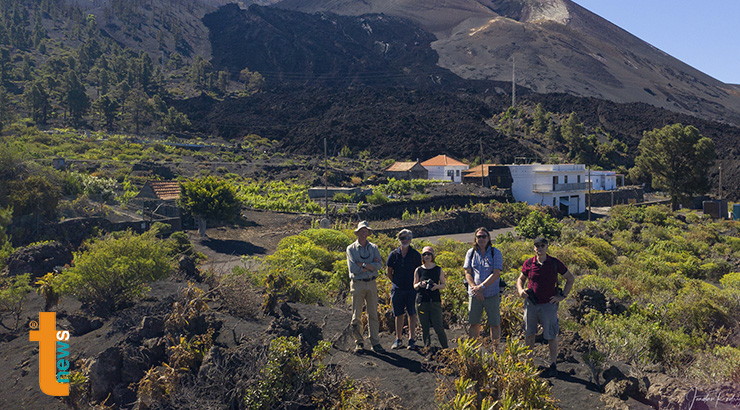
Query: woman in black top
428, 280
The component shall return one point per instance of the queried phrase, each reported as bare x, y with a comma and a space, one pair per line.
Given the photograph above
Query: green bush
731, 280
603, 284
699, 308
718, 366
330, 239
376, 198
13, 292
537, 224
639, 339
115, 270
599, 247
342, 197
288, 371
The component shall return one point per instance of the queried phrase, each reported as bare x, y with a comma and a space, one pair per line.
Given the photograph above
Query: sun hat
363, 224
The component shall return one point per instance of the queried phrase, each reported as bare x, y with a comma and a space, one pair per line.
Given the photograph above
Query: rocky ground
120, 349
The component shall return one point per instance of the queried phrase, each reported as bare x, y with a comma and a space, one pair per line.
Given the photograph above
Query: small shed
407, 170
159, 197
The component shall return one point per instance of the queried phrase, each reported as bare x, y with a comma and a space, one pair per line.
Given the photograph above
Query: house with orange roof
445, 168
407, 170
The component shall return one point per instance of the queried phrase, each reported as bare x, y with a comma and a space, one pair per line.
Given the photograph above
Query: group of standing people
417, 282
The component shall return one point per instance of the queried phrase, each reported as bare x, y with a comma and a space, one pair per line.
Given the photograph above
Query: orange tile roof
165, 190
476, 171
441, 161
401, 166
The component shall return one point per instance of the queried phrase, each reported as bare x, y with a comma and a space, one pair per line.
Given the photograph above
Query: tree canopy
211, 198
676, 158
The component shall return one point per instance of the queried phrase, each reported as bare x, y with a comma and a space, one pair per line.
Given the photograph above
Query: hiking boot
551, 371
412, 344
359, 348
397, 344
378, 348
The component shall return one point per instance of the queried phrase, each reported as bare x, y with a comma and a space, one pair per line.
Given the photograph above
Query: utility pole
720, 182
326, 181
589, 194
482, 181
513, 82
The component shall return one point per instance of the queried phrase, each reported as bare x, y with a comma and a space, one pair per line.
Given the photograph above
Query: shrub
638, 339
731, 280
599, 247
718, 366
115, 270
288, 371
342, 197
13, 292
330, 239
698, 308
604, 285
509, 379
537, 224
376, 198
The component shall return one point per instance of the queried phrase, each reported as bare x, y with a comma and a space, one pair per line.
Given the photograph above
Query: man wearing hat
402, 262
541, 298
363, 260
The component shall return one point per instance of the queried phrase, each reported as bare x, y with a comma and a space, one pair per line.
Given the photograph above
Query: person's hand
376, 260
556, 299
523, 294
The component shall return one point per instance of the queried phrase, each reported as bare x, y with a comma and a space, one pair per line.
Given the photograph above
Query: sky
703, 34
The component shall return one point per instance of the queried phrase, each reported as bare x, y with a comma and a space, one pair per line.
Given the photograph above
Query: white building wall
440, 172
603, 180
533, 184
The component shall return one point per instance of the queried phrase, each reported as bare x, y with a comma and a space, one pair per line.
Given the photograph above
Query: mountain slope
558, 47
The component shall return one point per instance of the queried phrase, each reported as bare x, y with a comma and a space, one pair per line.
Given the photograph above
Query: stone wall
616, 197
395, 209
456, 222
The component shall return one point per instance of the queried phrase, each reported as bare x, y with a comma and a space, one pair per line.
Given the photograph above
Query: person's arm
375, 265
569, 280
520, 285
355, 268
416, 279
491, 279
442, 282
389, 273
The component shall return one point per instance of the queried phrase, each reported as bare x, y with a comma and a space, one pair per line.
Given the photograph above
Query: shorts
545, 314
403, 301
491, 304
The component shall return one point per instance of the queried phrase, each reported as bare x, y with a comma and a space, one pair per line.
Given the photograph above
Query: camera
429, 284
532, 298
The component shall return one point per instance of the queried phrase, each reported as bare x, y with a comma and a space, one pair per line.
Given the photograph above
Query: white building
602, 180
560, 185
445, 168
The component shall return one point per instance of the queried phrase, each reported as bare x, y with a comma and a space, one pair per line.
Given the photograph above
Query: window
578, 179
555, 180
450, 172
458, 172
566, 179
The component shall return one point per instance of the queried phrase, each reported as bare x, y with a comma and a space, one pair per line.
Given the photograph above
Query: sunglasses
481, 236
541, 245
427, 254
404, 238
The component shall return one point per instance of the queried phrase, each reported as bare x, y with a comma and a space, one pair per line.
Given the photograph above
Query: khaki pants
365, 293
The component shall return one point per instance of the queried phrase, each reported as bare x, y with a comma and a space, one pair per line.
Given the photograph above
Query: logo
53, 353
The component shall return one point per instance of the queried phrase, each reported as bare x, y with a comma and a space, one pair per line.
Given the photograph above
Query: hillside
559, 47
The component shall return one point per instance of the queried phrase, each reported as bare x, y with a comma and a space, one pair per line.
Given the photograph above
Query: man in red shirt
541, 298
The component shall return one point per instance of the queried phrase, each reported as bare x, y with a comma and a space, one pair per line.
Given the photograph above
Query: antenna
513, 82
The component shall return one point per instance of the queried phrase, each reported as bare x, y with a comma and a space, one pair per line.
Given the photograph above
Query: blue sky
703, 34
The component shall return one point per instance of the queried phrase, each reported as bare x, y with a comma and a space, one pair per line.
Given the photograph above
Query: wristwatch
364, 264
482, 286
